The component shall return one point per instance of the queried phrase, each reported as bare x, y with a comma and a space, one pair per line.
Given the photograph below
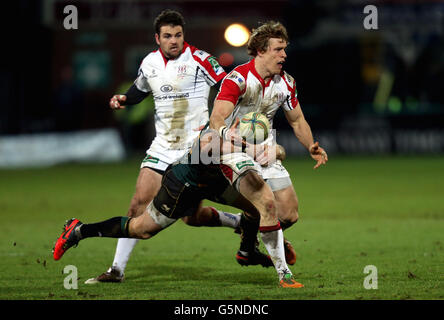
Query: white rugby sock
123, 251
273, 239
229, 219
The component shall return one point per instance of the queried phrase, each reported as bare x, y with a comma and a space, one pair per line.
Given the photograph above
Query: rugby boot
290, 253
67, 239
111, 275
288, 281
253, 258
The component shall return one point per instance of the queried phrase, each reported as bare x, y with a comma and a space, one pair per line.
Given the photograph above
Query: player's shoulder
198, 54
244, 69
240, 72
288, 80
151, 58
207, 61
239, 75
204, 58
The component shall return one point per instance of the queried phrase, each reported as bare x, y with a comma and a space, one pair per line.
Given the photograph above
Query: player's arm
221, 110
131, 97
265, 154
223, 107
302, 131
135, 94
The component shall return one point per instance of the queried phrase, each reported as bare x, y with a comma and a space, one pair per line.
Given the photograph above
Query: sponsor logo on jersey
237, 78
166, 88
244, 163
152, 159
182, 69
172, 96
278, 97
216, 67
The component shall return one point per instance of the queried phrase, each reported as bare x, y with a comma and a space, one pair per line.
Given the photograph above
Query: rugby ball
254, 127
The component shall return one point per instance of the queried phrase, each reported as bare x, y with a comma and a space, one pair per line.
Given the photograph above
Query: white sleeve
141, 82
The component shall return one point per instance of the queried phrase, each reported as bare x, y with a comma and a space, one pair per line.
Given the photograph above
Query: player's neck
262, 70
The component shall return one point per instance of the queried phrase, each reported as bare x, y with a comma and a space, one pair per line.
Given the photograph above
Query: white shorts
276, 176
154, 163
235, 165
161, 160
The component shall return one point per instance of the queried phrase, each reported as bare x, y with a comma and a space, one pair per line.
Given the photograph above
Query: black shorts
176, 199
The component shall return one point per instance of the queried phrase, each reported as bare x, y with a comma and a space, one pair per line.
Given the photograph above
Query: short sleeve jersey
180, 88
246, 89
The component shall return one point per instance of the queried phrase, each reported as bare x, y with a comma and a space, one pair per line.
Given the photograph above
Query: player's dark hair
260, 36
168, 17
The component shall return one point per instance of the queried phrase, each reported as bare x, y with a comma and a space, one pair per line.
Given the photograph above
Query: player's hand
232, 134
117, 101
263, 154
318, 154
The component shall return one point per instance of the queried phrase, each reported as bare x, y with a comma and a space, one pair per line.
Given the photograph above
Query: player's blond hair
260, 36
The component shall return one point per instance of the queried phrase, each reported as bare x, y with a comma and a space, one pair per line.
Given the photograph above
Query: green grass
387, 212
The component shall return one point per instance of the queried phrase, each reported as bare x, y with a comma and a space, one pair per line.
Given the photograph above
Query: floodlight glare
237, 34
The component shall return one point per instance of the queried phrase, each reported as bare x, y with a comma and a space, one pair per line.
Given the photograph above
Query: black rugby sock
249, 228
116, 227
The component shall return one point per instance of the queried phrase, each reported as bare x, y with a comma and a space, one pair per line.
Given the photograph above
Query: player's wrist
311, 146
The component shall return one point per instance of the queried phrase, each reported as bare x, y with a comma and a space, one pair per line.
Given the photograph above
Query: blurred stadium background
362, 91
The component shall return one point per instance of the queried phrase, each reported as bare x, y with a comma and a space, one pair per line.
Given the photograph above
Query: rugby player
179, 77
261, 85
184, 185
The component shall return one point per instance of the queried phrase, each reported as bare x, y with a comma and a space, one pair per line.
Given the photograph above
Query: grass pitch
387, 212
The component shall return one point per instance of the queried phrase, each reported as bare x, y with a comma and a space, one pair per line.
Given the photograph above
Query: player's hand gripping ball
254, 127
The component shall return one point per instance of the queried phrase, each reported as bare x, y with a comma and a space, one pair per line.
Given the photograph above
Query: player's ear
157, 38
260, 53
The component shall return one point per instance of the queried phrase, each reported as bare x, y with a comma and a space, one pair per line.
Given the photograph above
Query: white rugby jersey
246, 89
180, 88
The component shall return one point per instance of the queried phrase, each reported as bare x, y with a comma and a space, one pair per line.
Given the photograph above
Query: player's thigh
287, 204
147, 186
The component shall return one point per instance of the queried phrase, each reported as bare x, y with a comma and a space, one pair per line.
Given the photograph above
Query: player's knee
146, 235
191, 221
289, 215
137, 207
138, 229
135, 229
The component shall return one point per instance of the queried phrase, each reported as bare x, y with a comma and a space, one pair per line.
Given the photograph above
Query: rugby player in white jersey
179, 77
261, 85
